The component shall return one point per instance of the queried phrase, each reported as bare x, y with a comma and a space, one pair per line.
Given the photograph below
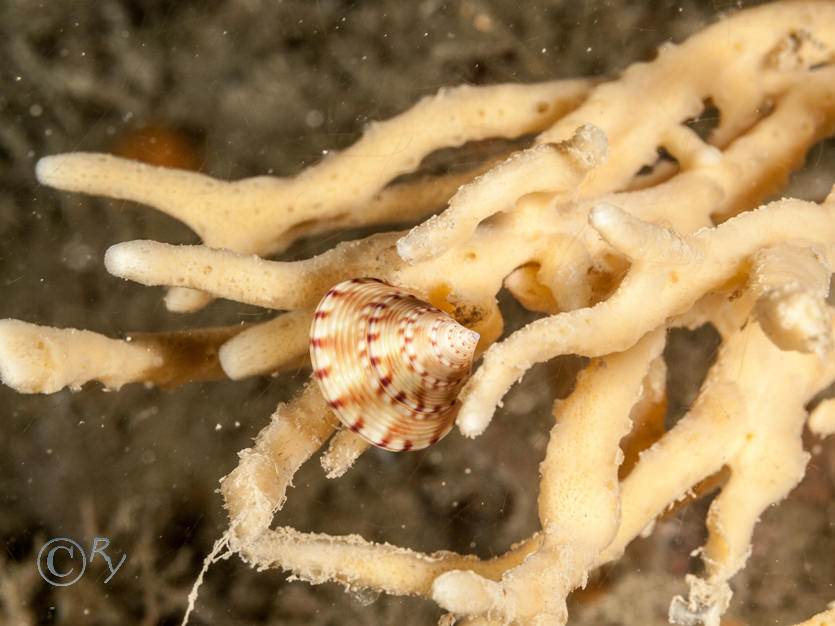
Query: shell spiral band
389, 364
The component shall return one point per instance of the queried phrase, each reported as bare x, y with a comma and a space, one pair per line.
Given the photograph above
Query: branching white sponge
575, 228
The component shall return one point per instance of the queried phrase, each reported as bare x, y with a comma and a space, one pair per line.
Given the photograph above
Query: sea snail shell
389, 364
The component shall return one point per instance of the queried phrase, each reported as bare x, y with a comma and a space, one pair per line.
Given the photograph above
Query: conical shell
389, 364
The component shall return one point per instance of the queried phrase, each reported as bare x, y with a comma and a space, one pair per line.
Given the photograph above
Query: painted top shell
389, 364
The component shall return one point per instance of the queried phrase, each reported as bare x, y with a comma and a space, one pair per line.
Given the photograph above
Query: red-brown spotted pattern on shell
389, 364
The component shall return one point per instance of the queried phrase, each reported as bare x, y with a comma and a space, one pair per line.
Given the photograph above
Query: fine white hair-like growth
587, 225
